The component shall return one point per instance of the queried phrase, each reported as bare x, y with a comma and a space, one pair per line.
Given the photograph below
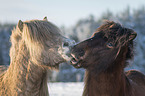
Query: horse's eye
109, 45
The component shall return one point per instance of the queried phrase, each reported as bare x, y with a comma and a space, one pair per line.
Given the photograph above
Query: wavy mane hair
34, 50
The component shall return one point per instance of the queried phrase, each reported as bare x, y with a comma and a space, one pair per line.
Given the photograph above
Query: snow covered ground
66, 89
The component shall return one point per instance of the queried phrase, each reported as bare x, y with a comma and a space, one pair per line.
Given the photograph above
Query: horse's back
137, 81
136, 76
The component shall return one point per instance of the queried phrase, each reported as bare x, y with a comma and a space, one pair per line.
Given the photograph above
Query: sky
61, 12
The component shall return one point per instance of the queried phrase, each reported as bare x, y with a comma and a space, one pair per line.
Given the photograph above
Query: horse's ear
20, 25
45, 18
132, 36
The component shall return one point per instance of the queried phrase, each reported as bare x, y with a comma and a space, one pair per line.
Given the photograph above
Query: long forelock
39, 31
35, 35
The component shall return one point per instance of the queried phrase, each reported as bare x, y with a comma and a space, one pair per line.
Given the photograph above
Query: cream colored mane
34, 50
36, 35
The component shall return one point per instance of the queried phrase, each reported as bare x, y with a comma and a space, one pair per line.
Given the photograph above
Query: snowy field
66, 89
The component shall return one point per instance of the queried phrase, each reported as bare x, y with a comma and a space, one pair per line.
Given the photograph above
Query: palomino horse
37, 46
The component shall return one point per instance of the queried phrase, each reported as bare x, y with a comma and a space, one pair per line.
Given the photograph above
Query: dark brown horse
104, 56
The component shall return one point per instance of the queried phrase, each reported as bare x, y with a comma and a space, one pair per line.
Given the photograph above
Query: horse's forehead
115, 33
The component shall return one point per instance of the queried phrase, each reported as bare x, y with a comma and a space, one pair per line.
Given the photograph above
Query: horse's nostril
65, 44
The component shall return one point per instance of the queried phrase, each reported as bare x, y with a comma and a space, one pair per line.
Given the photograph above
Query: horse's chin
55, 65
58, 63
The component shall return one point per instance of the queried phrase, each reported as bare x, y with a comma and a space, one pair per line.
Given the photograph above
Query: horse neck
27, 77
104, 85
111, 82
